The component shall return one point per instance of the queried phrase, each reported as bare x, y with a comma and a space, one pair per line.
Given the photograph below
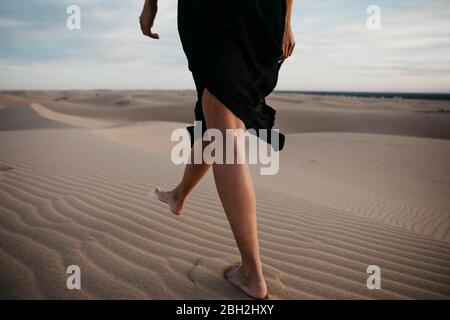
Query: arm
288, 37
148, 17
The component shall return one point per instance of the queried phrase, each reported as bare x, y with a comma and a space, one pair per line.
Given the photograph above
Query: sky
335, 50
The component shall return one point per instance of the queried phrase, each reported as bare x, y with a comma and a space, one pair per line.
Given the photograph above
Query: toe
156, 191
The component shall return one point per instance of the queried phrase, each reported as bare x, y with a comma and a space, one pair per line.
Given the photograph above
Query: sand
362, 181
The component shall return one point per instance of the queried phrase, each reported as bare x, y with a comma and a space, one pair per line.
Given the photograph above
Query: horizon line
275, 91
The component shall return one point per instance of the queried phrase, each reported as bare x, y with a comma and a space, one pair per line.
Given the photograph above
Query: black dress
233, 49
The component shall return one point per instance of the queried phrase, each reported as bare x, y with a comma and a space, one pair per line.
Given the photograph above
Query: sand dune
78, 193
69, 119
295, 113
401, 181
24, 118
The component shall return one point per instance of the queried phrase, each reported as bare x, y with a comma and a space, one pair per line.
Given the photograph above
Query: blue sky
335, 50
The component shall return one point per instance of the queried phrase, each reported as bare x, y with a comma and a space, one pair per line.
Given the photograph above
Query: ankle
253, 269
179, 194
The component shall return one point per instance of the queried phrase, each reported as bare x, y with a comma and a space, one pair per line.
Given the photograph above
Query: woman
234, 49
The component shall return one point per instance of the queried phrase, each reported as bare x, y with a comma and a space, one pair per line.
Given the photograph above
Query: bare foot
175, 202
254, 287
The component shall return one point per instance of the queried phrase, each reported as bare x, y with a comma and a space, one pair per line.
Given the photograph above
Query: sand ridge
79, 194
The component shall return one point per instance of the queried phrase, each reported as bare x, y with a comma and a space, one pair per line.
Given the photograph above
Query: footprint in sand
4, 169
207, 276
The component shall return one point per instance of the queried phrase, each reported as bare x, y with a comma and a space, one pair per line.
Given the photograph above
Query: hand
148, 17
288, 42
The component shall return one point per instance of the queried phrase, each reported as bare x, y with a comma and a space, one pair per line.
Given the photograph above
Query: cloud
11, 23
335, 50
341, 53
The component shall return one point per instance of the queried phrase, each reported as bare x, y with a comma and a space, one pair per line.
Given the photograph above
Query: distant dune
362, 181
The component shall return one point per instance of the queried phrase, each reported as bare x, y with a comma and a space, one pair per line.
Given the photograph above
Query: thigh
217, 115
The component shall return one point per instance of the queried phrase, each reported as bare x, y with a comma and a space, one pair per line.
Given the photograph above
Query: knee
211, 110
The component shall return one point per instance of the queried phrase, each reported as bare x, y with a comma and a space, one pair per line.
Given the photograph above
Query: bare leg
235, 187
193, 173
